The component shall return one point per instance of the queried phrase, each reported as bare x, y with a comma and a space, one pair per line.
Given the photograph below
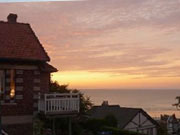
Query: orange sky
107, 43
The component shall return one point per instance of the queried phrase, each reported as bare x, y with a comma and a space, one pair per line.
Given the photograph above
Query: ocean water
154, 102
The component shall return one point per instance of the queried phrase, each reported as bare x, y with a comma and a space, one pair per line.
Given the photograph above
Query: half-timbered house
131, 119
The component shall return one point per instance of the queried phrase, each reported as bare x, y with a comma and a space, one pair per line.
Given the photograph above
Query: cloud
13, 1
113, 55
115, 36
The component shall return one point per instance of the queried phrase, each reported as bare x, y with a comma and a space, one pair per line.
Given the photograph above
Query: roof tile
18, 41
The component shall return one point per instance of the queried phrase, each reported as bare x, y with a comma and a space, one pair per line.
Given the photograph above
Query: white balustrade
59, 103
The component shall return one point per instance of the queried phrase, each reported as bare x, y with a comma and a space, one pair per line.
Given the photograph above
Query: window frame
3, 85
4, 92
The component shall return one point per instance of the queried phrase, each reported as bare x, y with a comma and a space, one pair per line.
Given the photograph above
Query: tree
111, 120
62, 123
85, 102
177, 105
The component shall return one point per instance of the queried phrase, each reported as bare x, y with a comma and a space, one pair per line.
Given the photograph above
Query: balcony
59, 104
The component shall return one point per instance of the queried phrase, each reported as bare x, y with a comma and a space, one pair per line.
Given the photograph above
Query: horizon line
128, 88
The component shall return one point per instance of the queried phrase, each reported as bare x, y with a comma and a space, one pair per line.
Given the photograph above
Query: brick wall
17, 114
19, 129
28, 84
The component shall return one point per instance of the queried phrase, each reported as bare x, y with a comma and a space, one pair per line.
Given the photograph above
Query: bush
111, 120
106, 126
85, 102
95, 125
101, 126
116, 131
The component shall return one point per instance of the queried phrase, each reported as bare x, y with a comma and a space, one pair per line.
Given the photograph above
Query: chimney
12, 18
105, 103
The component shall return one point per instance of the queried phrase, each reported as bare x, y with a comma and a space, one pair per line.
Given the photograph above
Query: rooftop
123, 114
19, 42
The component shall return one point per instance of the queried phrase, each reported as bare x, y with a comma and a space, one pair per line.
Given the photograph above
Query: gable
145, 121
122, 114
140, 121
128, 118
19, 42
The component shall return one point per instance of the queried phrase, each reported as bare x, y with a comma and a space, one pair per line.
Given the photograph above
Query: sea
155, 102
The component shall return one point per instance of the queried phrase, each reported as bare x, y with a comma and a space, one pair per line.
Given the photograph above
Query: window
12, 84
7, 84
150, 131
2, 82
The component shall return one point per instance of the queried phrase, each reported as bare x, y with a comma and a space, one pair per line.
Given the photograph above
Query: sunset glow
84, 79
108, 43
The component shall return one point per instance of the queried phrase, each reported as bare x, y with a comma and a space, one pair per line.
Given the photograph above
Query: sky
13, 1
103, 44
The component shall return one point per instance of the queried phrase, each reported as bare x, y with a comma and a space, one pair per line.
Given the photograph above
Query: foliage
56, 87
105, 126
95, 125
177, 105
85, 102
162, 129
77, 128
117, 131
37, 127
101, 126
111, 120
80, 125
61, 124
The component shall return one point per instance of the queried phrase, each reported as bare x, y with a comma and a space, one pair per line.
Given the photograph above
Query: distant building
173, 125
132, 119
25, 80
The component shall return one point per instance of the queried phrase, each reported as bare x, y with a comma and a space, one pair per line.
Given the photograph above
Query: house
173, 125
132, 119
25, 78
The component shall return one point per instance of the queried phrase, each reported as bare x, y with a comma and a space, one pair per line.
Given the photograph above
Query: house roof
47, 68
122, 114
172, 119
19, 42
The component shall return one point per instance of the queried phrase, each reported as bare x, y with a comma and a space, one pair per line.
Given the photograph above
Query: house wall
19, 129
29, 83
140, 123
19, 113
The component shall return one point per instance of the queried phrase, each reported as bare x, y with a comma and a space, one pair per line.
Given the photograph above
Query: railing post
78, 96
60, 102
71, 101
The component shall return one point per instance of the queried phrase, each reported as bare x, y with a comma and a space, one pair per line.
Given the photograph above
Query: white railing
59, 103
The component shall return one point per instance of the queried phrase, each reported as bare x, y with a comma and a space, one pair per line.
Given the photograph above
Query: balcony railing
66, 103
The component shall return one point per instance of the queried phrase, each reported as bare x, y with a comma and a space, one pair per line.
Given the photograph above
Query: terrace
55, 104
